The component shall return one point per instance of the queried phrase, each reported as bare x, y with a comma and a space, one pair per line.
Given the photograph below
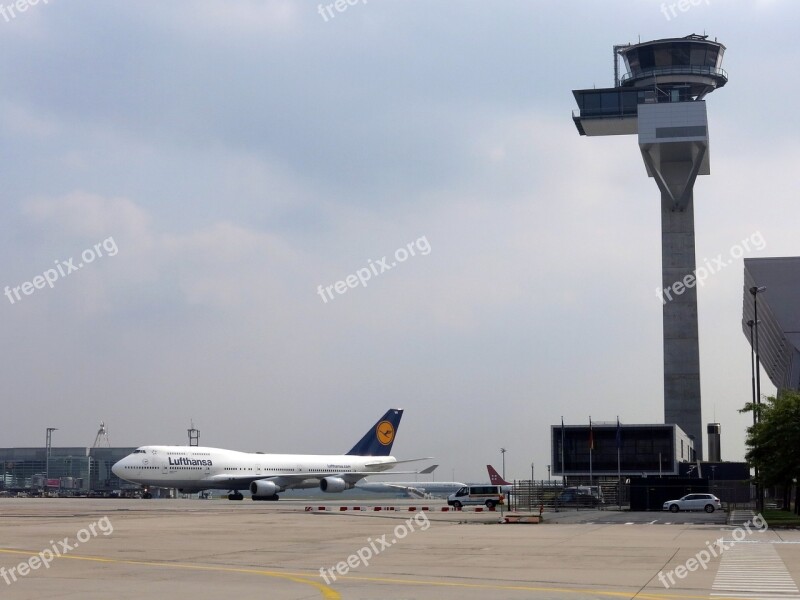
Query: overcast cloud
240, 154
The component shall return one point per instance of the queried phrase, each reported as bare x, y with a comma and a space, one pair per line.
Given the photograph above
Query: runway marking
754, 571
327, 592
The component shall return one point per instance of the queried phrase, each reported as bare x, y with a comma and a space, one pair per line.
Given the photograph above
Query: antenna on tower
101, 439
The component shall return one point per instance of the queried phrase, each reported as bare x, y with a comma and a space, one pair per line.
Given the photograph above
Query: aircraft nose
117, 468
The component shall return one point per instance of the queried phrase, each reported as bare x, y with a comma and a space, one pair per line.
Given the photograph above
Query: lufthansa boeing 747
193, 469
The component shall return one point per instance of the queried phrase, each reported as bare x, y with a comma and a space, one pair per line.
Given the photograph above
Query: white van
489, 495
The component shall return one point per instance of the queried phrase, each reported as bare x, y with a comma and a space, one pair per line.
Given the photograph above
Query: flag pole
619, 469
591, 448
563, 466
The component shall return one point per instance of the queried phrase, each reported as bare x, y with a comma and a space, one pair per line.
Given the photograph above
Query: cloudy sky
216, 162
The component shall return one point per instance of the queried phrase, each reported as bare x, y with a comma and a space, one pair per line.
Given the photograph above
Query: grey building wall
779, 316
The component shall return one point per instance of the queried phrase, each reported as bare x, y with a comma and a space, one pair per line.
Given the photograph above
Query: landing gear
235, 496
147, 495
272, 498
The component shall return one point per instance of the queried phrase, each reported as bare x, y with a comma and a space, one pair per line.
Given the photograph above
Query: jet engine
264, 488
334, 485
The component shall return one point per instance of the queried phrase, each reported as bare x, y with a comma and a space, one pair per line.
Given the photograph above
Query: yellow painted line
526, 588
327, 592
331, 594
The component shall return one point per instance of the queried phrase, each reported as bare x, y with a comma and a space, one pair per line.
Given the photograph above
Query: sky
217, 167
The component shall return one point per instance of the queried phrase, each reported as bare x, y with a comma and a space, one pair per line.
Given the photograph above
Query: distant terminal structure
71, 469
661, 98
778, 331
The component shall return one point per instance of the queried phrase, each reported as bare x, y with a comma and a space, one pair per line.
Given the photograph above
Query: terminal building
67, 469
778, 330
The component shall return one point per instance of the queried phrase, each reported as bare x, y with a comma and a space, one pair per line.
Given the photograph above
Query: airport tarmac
116, 548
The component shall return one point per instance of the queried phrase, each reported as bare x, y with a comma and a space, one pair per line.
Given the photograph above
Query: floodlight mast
661, 98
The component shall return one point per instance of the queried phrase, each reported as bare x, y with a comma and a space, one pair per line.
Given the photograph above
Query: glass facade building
79, 468
642, 449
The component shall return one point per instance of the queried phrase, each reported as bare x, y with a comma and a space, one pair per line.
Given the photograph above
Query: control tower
661, 98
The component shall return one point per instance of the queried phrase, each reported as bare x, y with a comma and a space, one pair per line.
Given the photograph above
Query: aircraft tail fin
494, 477
379, 439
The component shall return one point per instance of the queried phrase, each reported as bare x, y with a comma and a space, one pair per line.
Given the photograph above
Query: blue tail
379, 439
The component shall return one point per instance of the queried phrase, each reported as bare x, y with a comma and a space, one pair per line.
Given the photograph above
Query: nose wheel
235, 496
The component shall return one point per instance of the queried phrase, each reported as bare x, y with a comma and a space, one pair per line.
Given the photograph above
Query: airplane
412, 489
494, 477
193, 469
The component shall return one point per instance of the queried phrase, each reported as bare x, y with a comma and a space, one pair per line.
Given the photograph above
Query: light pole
531, 472
756, 290
503, 453
751, 323
548, 472
48, 444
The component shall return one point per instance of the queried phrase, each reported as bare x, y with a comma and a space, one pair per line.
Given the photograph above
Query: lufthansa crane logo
385, 432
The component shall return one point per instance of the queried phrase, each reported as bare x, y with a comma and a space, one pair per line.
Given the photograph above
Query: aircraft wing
410, 490
290, 479
400, 462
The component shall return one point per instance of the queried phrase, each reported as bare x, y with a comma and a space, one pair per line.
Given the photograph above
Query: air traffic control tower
661, 98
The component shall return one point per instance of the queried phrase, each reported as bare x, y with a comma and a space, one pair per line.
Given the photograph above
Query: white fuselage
195, 468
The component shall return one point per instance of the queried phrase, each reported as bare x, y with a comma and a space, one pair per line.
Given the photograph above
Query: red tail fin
494, 477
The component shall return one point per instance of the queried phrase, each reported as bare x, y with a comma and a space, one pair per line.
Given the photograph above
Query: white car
706, 502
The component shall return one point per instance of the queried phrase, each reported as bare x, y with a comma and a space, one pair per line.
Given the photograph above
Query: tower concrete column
681, 345
673, 139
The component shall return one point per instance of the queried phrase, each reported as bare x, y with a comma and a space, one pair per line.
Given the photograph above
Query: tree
774, 442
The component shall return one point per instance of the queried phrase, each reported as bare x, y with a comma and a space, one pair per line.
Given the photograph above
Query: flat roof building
650, 450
